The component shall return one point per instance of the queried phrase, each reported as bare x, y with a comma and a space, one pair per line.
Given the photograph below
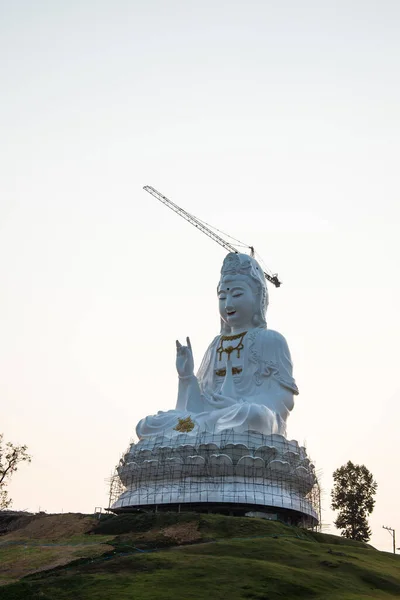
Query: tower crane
272, 277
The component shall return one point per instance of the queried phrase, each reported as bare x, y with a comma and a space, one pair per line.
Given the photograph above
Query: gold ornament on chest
230, 347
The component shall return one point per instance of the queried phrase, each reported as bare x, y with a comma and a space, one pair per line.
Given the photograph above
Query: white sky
276, 121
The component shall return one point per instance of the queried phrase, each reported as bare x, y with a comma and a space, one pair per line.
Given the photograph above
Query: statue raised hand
184, 360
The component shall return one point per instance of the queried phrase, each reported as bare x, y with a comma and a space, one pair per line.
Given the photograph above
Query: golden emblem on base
184, 425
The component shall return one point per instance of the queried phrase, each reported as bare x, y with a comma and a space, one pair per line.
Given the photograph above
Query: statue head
242, 280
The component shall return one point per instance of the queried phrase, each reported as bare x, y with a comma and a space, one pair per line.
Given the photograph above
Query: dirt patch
12, 521
50, 527
183, 533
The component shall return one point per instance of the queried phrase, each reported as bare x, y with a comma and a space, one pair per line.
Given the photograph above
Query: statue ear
256, 320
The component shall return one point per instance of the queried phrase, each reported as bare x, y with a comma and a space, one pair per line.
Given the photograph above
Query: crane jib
204, 228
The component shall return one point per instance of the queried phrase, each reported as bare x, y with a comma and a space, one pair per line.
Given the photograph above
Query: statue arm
189, 396
276, 362
275, 385
192, 390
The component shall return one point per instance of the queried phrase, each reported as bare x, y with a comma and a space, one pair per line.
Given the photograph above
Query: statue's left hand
184, 359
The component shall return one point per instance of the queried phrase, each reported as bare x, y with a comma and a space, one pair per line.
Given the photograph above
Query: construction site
246, 474
234, 457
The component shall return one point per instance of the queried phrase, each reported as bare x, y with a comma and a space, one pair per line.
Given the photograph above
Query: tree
10, 457
352, 495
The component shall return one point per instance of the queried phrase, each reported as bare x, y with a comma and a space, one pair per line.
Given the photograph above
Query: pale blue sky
275, 121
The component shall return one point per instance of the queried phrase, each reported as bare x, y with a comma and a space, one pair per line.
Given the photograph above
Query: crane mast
203, 227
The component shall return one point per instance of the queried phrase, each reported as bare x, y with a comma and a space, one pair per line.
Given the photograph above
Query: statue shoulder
215, 341
271, 337
273, 346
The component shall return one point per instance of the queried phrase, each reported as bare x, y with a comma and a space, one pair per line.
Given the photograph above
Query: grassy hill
186, 556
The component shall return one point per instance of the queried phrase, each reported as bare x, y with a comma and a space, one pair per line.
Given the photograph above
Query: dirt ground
183, 533
40, 542
48, 527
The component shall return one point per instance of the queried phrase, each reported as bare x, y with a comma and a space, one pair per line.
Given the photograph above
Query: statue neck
238, 330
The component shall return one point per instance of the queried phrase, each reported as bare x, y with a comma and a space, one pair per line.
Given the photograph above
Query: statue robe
259, 397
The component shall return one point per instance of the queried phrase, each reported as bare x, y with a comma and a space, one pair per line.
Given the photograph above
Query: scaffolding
226, 471
115, 487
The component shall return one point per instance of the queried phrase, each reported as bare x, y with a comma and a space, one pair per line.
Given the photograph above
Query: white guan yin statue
245, 380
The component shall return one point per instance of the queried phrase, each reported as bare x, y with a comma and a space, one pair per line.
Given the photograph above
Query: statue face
236, 303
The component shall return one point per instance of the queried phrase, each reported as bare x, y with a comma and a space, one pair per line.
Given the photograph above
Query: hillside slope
191, 556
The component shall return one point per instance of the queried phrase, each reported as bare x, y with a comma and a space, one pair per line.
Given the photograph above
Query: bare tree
10, 458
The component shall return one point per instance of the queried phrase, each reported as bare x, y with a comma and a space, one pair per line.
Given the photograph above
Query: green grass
140, 522
247, 559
